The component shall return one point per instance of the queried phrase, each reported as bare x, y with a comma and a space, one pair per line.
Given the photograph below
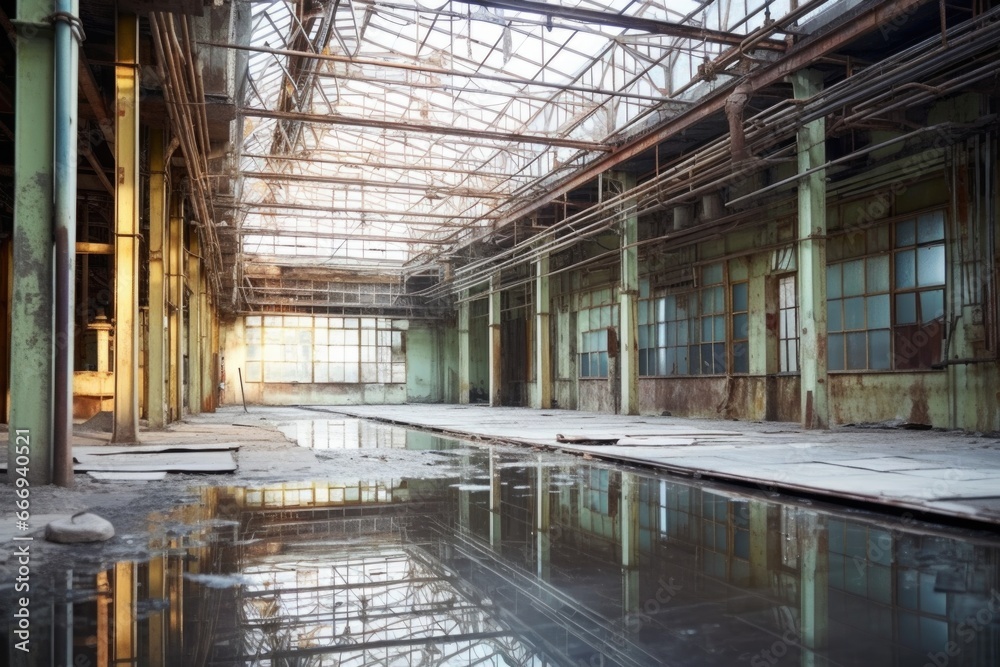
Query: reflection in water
350, 433
525, 562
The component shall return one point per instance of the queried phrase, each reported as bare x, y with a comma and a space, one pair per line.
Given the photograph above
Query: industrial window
741, 335
663, 339
919, 299
597, 315
884, 311
685, 333
285, 348
708, 349
788, 325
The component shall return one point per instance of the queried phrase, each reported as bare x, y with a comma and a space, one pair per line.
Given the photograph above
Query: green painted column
814, 577
463, 348
496, 362
126, 424
543, 521
156, 403
543, 348
628, 307
629, 517
32, 304
812, 260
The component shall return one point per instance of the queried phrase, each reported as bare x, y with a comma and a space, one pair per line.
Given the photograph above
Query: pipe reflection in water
532, 560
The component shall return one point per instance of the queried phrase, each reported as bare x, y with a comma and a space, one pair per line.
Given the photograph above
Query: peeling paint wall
920, 398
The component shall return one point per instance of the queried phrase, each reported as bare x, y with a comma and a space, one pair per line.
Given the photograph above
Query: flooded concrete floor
348, 542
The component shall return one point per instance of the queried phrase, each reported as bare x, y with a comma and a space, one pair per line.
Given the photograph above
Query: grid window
685, 333
741, 335
325, 349
886, 311
596, 317
919, 298
858, 314
708, 354
788, 325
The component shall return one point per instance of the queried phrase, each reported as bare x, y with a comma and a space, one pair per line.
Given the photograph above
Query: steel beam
429, 69
126, 422
31, 345
423, 128
812, 260
591, 16
371, 183
156, 403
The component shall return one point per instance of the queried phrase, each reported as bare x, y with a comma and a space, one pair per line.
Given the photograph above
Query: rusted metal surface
919, 398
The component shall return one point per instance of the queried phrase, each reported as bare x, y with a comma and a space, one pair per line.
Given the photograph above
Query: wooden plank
165, 462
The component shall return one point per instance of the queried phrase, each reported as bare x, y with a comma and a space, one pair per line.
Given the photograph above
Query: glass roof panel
414, 122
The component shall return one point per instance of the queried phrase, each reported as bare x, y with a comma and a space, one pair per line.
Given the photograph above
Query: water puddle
349, 433
522, 561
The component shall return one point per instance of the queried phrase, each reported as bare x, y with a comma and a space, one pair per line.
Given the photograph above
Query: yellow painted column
126, 426
194, 325
157, 590
207, 363
156, 404
175, 281
124, 613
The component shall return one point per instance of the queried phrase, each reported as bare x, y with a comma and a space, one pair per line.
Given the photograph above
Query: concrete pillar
812, 260
194, 324
103, 328
464, 367
175, 283
31, 335
814, 575
126, 425
628, 308
543, 348
496, 361
156, 364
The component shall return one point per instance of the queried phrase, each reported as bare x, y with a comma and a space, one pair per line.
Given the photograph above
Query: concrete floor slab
947, 473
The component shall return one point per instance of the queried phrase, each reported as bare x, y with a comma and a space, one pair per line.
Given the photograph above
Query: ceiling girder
515, 137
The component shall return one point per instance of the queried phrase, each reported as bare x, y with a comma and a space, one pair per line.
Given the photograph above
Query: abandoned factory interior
502, 332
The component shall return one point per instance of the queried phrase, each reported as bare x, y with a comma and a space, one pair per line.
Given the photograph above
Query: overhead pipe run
713, 164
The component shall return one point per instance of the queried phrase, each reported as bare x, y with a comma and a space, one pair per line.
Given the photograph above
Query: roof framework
375, 133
